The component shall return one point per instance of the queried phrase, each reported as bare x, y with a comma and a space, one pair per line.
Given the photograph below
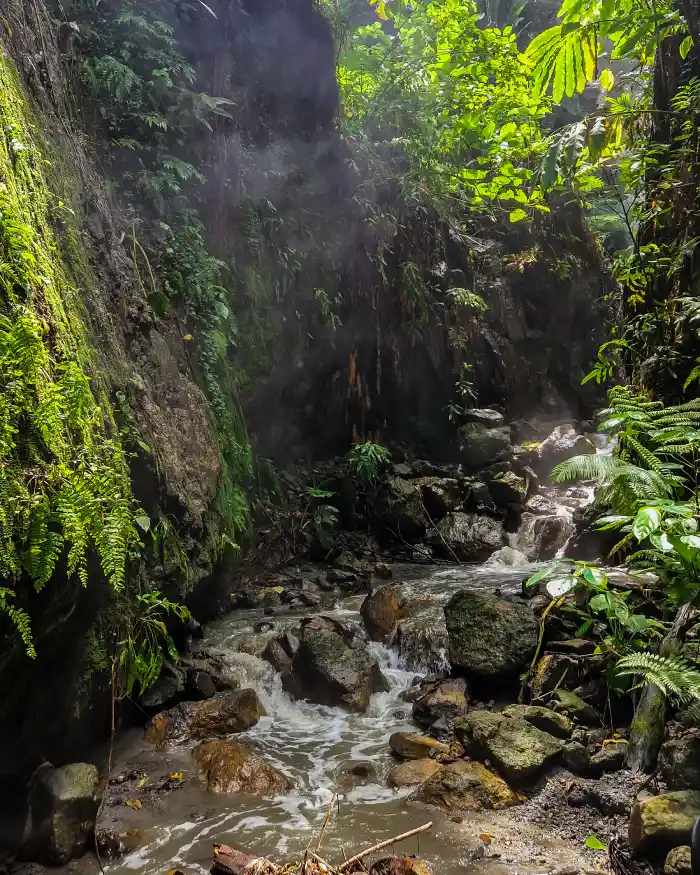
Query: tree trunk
647, 731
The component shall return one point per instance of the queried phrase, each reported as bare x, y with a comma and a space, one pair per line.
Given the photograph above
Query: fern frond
591, 467
673, 675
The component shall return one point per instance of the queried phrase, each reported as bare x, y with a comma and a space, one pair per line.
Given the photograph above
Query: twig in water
384, 844
325, 822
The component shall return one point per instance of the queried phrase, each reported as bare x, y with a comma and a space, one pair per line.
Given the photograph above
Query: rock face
489, 636
412, 773
412, 746
332, 666
659, 823
382, 610
229, 767
223, 714
63, 806
466, 786
443, 700
481, 446
679, 761
468, 537
519, 750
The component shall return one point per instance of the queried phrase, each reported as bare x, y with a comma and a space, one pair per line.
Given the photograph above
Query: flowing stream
325, 750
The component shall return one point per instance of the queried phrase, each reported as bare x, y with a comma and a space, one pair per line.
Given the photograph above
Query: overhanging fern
673, 675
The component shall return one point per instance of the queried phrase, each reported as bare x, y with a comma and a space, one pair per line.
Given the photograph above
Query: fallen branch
325, 822
384, 844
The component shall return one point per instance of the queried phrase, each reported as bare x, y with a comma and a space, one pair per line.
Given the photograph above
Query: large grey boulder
399, 508
332, 666
63, 807
467, 537
489, 636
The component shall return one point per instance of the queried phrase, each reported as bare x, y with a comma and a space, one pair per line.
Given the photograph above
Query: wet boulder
489, 636
382, 610
422, 642
576, 758
332, 666
679, 761
412, 772
481, 446
659, 823
280, 652
485, 416
223, 714
467, 537
518, 749
508, 490
441, 700
441, 495
399, 508
466, 786
166, 691
63, 806
562, 444
412, 746
678, 861
230, 767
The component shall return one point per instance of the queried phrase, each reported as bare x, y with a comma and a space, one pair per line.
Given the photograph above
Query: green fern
673, 675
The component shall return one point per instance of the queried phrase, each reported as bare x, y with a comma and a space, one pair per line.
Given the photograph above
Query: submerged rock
467, 537
63, 806
412, 746
489, 636
466, 786
519, 750
332, 666
659, 823
229, 767
422, 642
679, 761
382, 610
412, 772
223, 714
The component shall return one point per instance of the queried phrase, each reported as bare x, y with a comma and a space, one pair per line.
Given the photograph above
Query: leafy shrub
368, 461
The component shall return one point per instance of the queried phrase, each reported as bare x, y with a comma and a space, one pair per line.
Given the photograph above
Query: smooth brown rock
230, 767
223, 714
412, 773
412, 746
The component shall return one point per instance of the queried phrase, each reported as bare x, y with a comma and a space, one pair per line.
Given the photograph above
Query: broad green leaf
143, 522
542, 574
607, 79
595, 844
691, 540
517, 215
595, 576
647, 521
686, 46
560, 586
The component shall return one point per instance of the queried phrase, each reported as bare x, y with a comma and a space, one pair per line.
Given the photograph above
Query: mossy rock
543, 718
230, 767
659, 823
467, 786
412, 773
223, 714
489, 636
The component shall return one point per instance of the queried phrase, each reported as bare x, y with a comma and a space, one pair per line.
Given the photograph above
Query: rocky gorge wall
379, 361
